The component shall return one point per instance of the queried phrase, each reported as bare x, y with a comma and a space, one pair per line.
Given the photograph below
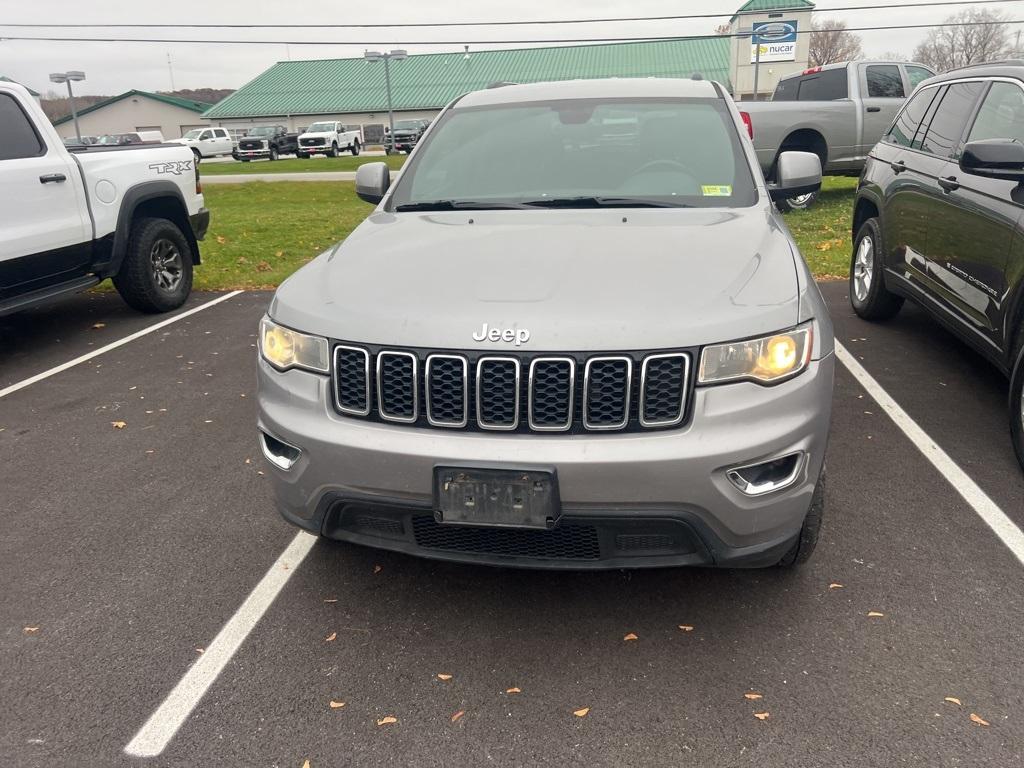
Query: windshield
320, 128
407, 125
580, 153
193, 134
266, 131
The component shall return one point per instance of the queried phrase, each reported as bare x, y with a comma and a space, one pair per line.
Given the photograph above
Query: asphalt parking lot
126, 550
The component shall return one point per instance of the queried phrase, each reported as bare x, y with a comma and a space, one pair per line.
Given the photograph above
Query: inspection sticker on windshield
716, 190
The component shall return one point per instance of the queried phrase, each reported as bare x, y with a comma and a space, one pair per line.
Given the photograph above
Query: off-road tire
1017, 402
355, 148
805, 543
801, 203
136, 281
870, 300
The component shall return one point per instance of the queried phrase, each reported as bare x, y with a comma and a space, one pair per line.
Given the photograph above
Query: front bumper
252, 153
628, 500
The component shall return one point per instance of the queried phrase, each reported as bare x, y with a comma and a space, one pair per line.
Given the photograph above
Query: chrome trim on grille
465, 391
415, 387
479, 417
572, 393
337, 381
586, 392
643, 390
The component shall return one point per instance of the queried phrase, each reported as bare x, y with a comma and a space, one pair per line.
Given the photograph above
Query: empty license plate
496, 497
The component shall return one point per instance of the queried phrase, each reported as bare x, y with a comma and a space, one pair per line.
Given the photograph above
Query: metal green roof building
352, 90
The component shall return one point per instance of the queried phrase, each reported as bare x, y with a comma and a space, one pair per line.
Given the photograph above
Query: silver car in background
574, 334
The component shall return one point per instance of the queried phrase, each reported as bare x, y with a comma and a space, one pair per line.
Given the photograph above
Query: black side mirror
994, 159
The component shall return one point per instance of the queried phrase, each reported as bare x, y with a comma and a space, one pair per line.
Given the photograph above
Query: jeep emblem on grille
517, 335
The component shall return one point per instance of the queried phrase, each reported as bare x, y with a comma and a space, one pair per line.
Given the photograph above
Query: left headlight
284, 348
767, 360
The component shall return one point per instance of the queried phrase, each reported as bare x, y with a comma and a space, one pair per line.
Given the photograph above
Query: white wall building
137, 111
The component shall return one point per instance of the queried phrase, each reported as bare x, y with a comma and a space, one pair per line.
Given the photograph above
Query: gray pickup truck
838, 112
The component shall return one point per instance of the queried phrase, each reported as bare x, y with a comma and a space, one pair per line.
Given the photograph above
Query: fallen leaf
513, 690
582, 712
337, 704
99, 325
444, 677
752, 696
389, 720
952, 700
200, 651
305, 764
279, 254
119, 424
331, 637
761, 715
875, 614
457, 715
330, 600
686, 628
221, 239
978, 720
630, 637
31, 630
378, 568
835, 585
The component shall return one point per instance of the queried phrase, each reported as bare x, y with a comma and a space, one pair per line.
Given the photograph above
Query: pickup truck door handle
898, 167
874, 109
50, 178
949, 183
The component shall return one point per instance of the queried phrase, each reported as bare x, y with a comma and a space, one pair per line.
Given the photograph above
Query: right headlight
766, 360
284, 348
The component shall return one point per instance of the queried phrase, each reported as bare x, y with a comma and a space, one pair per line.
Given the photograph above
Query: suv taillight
749, 123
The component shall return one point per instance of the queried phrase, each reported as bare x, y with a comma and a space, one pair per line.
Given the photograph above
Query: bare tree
985, 38
831, 42
894, 56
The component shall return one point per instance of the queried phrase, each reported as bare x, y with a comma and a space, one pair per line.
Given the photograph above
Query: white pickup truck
207, 142
69, 219
328, 138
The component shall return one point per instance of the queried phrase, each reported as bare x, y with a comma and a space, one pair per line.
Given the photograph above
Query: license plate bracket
501, 498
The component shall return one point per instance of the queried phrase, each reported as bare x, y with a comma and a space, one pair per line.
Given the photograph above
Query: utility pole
373, 56
170, 69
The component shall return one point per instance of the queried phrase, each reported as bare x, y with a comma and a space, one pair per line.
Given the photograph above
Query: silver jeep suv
574, 334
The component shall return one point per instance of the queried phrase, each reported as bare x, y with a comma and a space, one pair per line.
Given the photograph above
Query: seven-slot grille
513, 393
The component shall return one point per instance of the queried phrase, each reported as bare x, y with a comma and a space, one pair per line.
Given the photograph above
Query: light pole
755, 39
68, 77
373, 56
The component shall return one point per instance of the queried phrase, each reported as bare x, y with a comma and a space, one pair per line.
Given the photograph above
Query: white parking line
987, 510
113, 345
161, 726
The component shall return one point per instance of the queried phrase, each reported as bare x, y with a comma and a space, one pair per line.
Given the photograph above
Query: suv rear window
1001, 115
950, 119
909, 120
18, 138
681, 152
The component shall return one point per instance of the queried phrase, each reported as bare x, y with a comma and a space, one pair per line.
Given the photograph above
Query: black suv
939, 217
407, 134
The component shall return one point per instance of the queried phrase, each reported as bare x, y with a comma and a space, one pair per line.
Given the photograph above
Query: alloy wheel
166, 263
863, 267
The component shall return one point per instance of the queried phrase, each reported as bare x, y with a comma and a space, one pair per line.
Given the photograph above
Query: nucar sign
777, 40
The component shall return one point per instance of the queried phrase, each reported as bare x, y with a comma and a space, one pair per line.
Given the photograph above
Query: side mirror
796, 173
994, 159
372, 181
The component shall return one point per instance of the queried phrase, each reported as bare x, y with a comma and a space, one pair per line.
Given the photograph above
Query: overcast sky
116, 67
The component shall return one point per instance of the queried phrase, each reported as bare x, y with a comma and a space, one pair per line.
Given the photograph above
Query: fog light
279, 453
767, 476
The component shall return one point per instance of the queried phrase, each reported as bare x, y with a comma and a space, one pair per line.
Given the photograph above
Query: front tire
156, 274
805, 543
355, 148
1017, 404
273, 154
333, 151
302, 156
869, 297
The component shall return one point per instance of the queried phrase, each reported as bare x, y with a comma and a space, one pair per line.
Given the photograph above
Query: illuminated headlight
284, 348
767, 360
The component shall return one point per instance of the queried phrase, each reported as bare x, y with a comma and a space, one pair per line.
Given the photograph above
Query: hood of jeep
579, 280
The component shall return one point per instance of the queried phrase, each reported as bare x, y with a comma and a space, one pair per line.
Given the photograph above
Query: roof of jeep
610, 88
1009, 68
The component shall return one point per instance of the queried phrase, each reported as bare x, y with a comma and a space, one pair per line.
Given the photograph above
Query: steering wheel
654, 164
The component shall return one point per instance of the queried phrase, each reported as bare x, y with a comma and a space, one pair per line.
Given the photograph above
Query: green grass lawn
262, 232
823, 231
294, 165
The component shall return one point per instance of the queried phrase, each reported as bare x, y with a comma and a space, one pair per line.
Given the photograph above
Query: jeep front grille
514, 392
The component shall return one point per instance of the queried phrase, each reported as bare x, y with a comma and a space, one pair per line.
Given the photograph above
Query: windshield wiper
589, 201
456, 205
